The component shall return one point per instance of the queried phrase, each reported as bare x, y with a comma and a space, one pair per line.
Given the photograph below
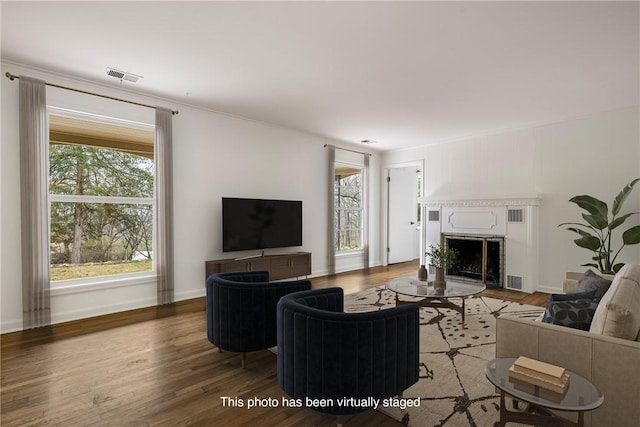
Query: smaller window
348, 208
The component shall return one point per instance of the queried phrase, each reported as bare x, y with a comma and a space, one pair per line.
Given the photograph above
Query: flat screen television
249, 224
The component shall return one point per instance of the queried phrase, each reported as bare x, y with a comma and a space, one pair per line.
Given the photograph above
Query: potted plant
595, 234
440, 259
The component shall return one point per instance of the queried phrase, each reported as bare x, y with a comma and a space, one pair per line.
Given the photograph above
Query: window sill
75, 286
344, 254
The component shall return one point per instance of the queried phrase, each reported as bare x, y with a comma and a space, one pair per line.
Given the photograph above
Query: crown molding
532, 200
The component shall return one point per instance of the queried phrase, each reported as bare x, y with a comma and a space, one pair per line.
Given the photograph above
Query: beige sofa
612, 364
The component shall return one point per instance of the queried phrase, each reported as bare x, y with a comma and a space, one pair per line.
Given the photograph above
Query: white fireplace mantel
490, 216
527, 200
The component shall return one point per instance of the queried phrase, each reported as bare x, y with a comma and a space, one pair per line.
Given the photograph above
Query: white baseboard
343, 269
15, 325
191, 294
100, 310
11, 326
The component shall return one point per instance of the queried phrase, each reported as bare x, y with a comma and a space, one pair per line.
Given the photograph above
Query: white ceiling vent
123, 75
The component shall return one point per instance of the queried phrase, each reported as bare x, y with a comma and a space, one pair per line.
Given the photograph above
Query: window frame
361, 210
112, 280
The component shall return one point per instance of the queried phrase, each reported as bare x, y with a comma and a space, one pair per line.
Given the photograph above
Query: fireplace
480, 259
501, 234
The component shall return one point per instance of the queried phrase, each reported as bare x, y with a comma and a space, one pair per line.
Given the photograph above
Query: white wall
215, 155
595, 155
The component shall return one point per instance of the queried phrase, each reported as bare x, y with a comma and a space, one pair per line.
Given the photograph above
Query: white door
403, 235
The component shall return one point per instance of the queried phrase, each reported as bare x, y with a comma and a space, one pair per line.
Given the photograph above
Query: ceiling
402, 74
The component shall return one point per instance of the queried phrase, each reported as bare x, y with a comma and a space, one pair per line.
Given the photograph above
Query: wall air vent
123, 75
514, 282
434, 215
515, 215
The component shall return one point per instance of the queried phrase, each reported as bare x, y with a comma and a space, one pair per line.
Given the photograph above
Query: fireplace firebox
480, 259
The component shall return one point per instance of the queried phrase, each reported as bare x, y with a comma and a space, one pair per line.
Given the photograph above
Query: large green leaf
570, 223
588, 242
618, 221
617, 267
596, 221
590, 265
592, 205
622, 196
631, 236
577, 230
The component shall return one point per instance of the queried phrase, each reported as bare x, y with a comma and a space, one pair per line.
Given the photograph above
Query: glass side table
580, 396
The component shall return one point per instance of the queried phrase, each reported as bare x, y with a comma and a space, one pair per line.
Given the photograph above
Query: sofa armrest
610, 363
544, 341
570, 285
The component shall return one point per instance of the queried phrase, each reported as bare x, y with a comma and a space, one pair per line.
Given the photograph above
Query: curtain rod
347, 149
13, 76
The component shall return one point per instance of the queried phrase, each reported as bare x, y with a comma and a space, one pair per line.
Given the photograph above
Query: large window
348, 208
101, 192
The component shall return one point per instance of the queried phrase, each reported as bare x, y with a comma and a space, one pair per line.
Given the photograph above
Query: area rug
452, 388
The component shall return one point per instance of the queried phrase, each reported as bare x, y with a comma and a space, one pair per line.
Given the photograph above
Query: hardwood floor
378, 276
156, 367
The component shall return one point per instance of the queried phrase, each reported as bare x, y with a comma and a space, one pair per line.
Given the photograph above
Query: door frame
419, 164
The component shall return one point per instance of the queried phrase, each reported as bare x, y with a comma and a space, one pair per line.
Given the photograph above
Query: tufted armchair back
241, 309
324, 353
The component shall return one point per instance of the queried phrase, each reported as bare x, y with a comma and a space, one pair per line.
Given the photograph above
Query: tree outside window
348, 208
101, 191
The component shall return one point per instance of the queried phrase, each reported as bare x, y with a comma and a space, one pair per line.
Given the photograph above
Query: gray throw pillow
590, 281
573, 314
553, 298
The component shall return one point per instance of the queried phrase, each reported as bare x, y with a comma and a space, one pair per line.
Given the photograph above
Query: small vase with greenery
441, 258
596, 233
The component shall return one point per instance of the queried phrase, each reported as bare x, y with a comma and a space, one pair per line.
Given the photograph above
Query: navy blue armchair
241, 310
324, 353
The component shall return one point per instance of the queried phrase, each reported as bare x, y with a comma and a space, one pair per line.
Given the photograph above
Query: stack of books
541, 374
534, 390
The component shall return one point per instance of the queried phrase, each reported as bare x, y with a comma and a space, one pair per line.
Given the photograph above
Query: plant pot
439, 282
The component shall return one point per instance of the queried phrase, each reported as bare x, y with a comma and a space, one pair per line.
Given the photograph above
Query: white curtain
163, 257
34, 206
365, 212
331, 235
331, 209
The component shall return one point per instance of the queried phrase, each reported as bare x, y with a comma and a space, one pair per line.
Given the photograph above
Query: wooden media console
283, 266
